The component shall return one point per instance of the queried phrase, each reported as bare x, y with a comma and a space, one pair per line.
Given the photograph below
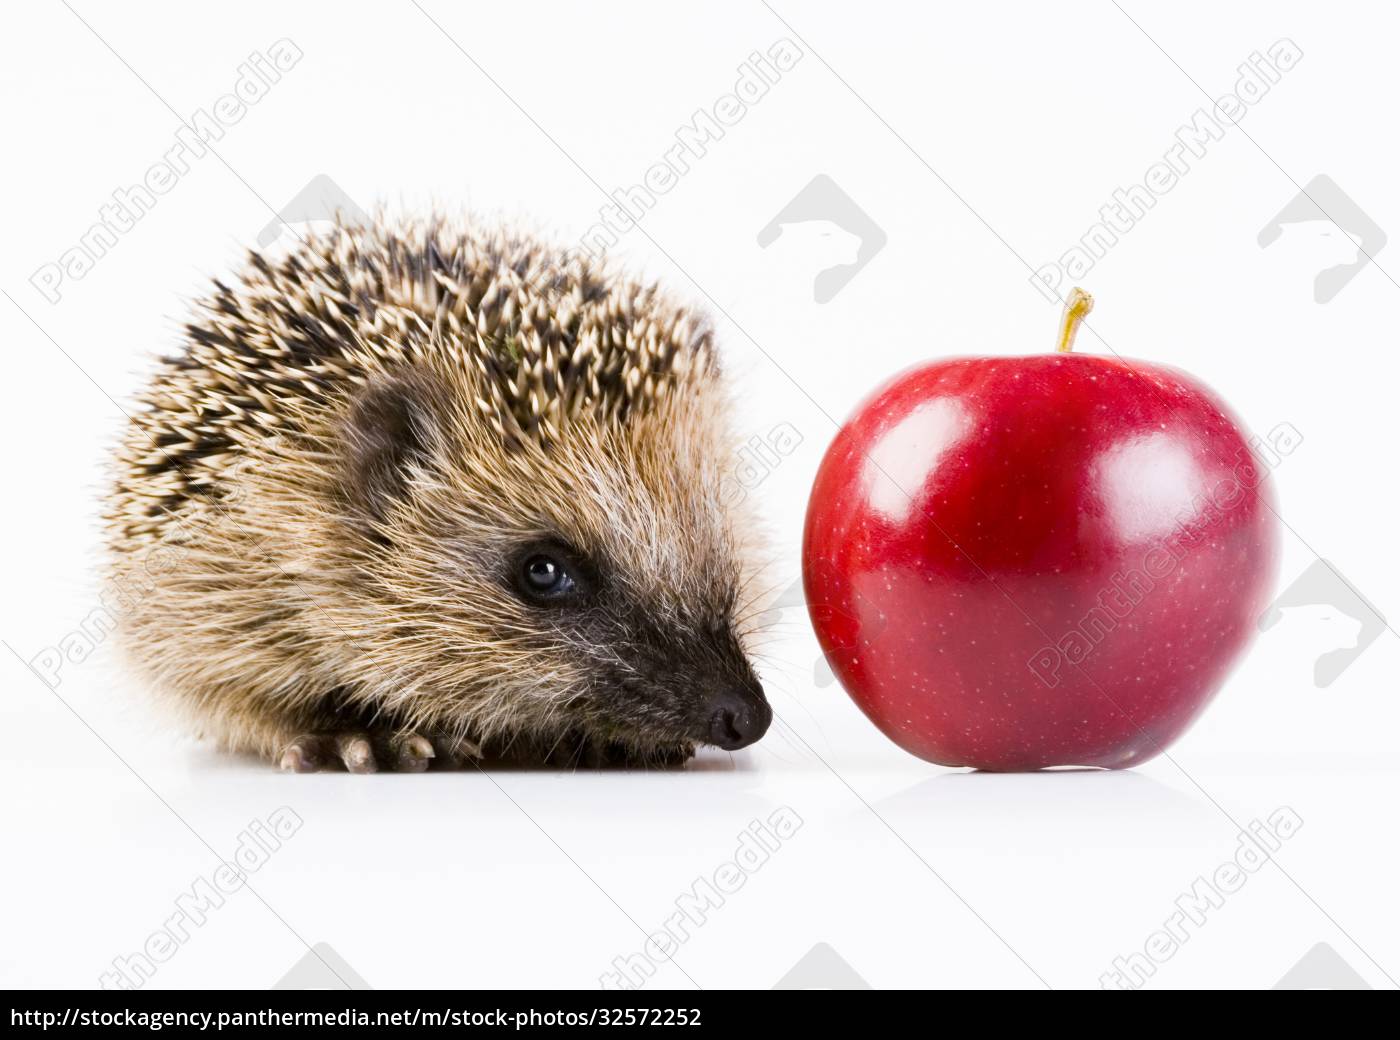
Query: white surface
1034, 114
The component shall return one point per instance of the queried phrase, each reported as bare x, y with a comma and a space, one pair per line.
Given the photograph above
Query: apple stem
1077, 307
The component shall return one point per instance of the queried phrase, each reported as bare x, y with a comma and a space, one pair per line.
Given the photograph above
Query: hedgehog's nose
738, 718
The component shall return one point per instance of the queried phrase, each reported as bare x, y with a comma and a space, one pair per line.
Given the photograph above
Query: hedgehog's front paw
358, 752
671, 756
575, 751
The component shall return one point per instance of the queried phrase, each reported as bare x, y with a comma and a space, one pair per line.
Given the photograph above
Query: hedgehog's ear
392, 427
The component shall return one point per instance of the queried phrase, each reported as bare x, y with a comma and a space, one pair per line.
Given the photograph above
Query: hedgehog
421, 493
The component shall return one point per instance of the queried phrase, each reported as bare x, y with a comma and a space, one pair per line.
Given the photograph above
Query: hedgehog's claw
356, 753
413, 753
300, 757
455, 752
361, 752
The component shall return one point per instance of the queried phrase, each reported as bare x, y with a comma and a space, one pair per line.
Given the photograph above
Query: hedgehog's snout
738, 716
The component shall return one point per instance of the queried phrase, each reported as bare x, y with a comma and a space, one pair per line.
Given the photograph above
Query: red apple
1020, 562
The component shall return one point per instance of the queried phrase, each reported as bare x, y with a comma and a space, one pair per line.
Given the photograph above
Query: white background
916, 875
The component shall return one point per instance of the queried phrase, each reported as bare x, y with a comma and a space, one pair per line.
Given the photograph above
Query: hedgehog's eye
544, 576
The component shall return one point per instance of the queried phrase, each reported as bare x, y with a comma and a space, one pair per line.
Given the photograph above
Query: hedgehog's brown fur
317, 501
